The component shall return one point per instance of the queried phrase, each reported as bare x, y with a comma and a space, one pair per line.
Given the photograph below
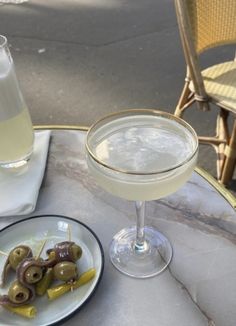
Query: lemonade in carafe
16, 132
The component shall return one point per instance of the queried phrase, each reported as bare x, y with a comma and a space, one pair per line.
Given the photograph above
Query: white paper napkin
19, 191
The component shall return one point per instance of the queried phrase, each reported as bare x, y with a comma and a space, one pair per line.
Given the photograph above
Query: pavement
78, 60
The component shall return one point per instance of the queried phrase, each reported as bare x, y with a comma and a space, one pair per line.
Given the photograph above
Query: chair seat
220, 84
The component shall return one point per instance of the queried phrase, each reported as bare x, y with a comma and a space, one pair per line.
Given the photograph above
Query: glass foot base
16, 168
14, 165
140, 262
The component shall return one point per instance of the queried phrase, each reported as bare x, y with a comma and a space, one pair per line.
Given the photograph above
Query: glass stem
140, 244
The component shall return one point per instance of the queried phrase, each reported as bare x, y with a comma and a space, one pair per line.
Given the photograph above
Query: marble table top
198, 288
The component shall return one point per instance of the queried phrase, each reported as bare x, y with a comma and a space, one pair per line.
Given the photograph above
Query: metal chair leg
222, 133
184, 100
230, 158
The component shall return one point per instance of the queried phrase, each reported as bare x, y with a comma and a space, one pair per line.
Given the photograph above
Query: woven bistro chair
205, 24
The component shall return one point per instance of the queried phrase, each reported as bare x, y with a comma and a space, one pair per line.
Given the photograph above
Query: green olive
65, 271
17, 255
33, 274
76, 252
17, 293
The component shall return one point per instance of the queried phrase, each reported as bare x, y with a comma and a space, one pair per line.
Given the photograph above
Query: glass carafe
16, 131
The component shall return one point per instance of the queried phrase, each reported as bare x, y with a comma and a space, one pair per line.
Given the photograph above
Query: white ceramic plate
32, 231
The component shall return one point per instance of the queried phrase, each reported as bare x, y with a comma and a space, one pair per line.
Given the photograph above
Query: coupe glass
141, 155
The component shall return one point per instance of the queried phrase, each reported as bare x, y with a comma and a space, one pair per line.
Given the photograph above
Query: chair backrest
204, 24
212, 22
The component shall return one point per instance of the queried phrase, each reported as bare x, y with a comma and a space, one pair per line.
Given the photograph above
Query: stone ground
78, 60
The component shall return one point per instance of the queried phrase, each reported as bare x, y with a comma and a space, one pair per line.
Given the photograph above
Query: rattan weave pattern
220, 84
213, 22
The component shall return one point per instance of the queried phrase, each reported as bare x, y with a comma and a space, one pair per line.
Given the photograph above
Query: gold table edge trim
213, 182
61, 127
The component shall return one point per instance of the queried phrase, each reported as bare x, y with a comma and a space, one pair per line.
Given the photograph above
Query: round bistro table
198, 288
